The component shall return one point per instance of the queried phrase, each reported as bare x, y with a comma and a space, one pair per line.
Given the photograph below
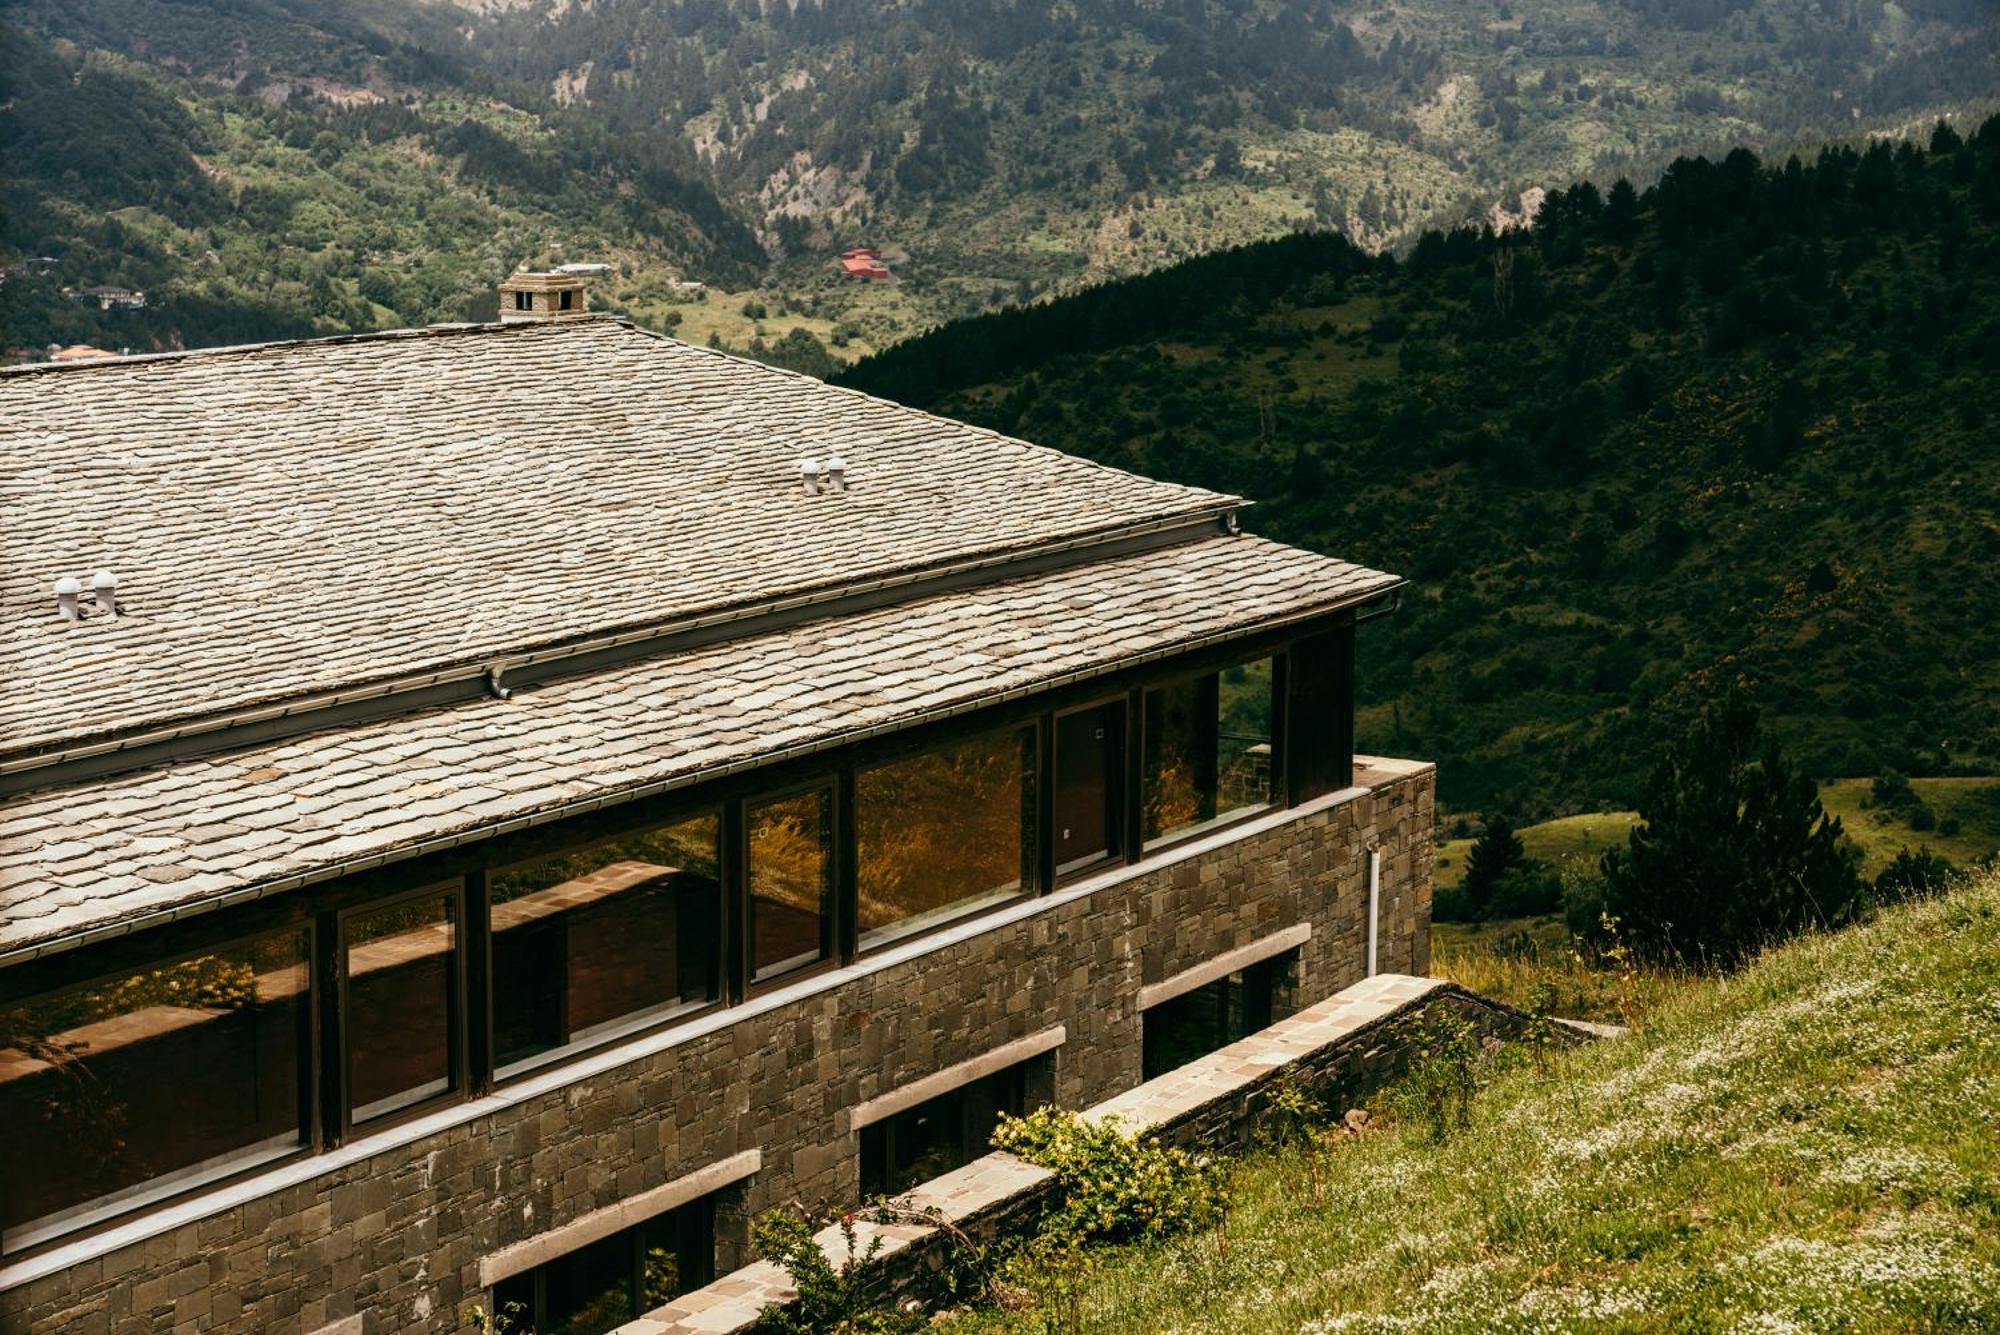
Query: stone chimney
535, 295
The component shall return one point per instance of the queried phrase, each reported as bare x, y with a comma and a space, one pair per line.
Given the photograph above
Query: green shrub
1443, 1071
1917, 875
1113, 1188
833, 1300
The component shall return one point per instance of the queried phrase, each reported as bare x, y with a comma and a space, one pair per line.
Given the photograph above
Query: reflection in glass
1207, 749
609, 938
941, 1134
1197, 1023
791, 882
155, 1081
1089, 753
604, 1284
402, 981
941, 834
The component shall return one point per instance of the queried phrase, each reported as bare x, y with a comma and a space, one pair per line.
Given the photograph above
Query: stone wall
393, 1228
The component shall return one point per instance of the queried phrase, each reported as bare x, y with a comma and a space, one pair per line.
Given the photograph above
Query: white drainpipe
1374, 905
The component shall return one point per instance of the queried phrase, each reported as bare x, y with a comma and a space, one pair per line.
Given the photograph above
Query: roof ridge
957, 424
441, 330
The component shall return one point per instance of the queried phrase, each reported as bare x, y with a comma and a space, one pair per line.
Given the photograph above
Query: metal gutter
584, 806
202, 735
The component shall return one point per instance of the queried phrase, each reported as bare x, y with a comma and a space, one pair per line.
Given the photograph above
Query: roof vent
809, 476
836, 473
68, 590
103, 587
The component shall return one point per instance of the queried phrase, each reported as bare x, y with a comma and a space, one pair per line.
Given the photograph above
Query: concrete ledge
1350, 1043
586, 1229
347, 1325
928, 1087
1201, 975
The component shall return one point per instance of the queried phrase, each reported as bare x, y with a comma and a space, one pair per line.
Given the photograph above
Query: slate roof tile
299, 517
382, 787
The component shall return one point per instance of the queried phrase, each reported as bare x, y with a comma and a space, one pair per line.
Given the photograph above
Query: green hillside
1738, 428
265, 167
1962, 825
1805, 1146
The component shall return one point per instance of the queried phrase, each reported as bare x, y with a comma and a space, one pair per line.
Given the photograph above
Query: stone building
493, 807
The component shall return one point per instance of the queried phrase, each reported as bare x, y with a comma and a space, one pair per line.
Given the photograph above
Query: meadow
1806, 1145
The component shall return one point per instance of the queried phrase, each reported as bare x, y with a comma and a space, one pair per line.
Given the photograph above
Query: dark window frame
313, 1140
878, 1139
835, 929
1117, 798
537, 1276
1281, 799
341, 1111
1265, 984
487, 1067
1031, 884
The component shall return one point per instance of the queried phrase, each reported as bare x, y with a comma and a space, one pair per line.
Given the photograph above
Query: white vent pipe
68, 590
1374, 906
103, 587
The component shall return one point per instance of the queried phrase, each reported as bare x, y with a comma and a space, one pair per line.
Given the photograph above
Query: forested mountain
1741, 427
267, 166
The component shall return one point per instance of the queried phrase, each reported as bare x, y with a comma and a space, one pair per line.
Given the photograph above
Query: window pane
607, 938
1197, 1023
940, 834
944, 1133
1207, 748
1243, 768
589, 1291
1179, 757
791, 867
402, 981
1087, 763
130, 1090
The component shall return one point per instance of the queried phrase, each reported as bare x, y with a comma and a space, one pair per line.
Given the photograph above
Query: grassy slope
1807, 1146
1975, 803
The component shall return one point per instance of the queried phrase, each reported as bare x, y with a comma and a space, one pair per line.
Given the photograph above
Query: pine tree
1497, 851
1733, 850
1621, 211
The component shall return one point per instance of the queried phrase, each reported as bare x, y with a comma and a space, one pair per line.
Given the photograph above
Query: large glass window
1197, 1023
946, 1132
791, 882
1089, 751
590, 944
126, 1091
401, 1019
1207, 749
942, 834
603, 1285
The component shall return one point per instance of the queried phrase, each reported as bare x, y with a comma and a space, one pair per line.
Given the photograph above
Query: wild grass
1532, 963
1808, 1145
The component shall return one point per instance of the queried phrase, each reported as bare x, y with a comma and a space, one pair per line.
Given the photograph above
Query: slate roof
248, 822
296, 517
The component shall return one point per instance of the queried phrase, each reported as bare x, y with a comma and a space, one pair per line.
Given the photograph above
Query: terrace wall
388, 1233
